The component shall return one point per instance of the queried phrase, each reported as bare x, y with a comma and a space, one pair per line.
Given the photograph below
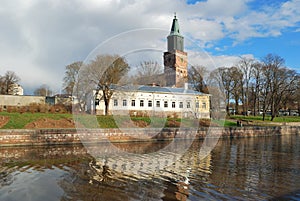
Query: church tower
175, 59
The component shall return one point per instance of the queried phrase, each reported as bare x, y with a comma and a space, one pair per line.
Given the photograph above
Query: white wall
151, 96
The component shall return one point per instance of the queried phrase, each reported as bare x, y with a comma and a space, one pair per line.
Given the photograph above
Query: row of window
165, 104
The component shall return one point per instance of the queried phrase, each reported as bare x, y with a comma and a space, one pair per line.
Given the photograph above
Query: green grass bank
20, 120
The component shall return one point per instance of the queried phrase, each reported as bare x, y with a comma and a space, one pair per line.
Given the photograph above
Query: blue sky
39, 38
286, 44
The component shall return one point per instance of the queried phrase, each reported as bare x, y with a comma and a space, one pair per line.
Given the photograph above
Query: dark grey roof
158, 89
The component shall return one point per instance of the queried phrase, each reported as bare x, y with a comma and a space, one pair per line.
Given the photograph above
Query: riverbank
34, 137
40, 120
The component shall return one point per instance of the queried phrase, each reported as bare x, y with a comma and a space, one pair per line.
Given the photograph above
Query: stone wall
10, 100
73, 136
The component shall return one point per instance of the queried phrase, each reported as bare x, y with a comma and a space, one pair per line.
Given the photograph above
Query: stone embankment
74, 136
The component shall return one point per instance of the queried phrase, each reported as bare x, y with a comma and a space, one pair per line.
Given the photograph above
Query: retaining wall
73, 136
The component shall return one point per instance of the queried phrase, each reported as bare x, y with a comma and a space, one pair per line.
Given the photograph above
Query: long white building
158, 101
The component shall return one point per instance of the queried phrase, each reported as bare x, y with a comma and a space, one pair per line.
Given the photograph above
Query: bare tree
83, 89
297, 95
104, 72
43, 90
246, 65
256, 86
196, 76
236, 77
7, 81
280, 81
149, 72
71, 76
222, 77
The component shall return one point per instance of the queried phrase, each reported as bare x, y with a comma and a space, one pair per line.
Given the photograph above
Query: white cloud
212, 62
39, 38
270, 21
206, 30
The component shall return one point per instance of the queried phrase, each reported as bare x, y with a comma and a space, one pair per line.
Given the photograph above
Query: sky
38, 38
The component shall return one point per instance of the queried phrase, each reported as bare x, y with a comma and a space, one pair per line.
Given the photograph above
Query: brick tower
175, 59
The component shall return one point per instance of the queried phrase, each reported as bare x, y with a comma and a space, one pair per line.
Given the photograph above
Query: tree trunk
106, 101
272, 117
254, 105
227, 105
264, 112
236, 106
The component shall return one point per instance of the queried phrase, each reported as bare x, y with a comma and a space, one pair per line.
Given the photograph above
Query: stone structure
18, 101
61, 99
175, 59
21, 100
74, 136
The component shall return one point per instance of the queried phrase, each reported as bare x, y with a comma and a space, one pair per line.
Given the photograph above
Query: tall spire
175, 39
175, 27
175, 59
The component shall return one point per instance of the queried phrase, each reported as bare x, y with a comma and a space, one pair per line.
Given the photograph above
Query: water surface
260, 168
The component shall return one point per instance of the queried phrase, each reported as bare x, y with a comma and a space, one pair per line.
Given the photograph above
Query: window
166, 104
197, 104
141, 103
149, 103
133, 103
124, 103
180, 104
188, 105
157, 103
97, 101
173, 104
203, 105
115, 102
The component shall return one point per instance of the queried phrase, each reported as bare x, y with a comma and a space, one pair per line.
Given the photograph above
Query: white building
157, 101
15, 89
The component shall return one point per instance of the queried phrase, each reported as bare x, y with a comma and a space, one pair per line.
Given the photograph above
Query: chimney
186, 86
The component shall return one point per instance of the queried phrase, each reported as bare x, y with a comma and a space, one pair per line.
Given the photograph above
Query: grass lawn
18, 120
280, 119
225, 123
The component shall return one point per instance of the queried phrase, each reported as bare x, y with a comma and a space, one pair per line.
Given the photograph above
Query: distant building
15, 89
61, 99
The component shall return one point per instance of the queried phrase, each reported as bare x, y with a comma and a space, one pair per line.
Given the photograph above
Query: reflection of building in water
173, 167
177, 158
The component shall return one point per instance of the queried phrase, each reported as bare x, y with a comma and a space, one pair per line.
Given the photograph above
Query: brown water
244, 169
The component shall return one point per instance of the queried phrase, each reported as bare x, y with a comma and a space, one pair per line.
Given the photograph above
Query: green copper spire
175, 39
175, 27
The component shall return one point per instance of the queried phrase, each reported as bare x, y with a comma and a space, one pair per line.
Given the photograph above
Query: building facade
16, 90
157, 101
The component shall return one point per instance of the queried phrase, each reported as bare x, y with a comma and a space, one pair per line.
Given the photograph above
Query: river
261, 168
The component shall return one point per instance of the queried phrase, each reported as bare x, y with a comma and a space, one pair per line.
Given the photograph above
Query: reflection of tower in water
166, 175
